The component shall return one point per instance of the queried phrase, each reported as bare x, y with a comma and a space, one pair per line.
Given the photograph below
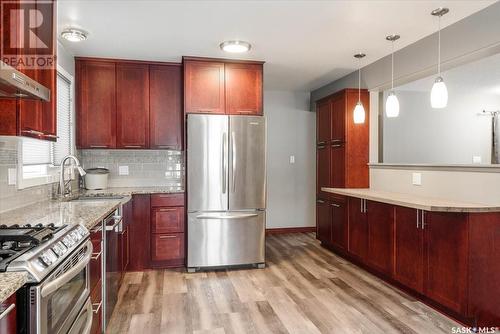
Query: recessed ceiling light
235, 46
74, 35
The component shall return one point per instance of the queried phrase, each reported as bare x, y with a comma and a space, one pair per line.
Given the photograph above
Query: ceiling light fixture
439, 92
359, 111
74, 34
235, 46
392, 103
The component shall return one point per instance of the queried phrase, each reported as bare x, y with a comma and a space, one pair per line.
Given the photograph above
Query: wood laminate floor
303, 289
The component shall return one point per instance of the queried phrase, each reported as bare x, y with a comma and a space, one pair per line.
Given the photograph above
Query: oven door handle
67, 276
88, 325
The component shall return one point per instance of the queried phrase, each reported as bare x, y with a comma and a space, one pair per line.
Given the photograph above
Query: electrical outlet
292, 159
417, 179
122, 170
476, 159
12, 176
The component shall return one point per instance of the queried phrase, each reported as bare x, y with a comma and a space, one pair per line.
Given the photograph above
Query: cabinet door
30, 113
165, 111
323, 123
243, 89
132, 106
408, 249
446, 258
358, 229
167, 249
380, 218
97, 256
97, 307
337, 162
339, 223
96, 104
323, 173
338, 119
139, 233
204, 87
48, 109
8, 310
124, 250
323, 221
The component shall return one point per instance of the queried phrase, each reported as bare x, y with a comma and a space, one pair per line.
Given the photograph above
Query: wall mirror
459, 134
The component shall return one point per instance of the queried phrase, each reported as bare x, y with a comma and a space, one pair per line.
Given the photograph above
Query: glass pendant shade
439, 94
392, 105
359, 113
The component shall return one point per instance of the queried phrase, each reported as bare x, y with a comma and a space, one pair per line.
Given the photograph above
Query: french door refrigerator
226, 184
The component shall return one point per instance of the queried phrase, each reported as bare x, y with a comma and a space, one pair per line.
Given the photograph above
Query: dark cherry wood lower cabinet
139, 232
409, 248
445, 267
8, 313
380, 236
449, 260
96, 300
339, 222
323, 221
358, 229
167, 250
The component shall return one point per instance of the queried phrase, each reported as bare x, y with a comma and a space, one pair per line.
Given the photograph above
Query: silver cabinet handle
7, 311
321, 147
97, 307
361, 205
337, 145
245, 111
51, 135
233, 159
224, 163
320, 201
366, 210
117, 220
167, 236
132, 146
335, 205
423, 220
96, 256
337, 140
166, 210
98, 146
321, 143
418, 217
33, 132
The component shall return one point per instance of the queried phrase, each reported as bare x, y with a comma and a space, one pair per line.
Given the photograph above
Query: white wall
65, 59
291, 188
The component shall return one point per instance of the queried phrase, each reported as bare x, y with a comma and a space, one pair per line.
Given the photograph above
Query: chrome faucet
65, 187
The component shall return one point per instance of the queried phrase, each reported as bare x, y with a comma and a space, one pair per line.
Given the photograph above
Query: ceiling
306, 44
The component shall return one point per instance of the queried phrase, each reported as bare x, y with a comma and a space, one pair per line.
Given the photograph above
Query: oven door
83, 322
60, 298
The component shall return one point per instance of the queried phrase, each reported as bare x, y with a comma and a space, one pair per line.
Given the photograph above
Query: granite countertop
414, 201
10, 283
128, 191
88, 213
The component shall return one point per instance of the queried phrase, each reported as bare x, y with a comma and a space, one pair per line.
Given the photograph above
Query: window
39, 159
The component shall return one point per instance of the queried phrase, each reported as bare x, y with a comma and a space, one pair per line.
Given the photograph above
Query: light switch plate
122, 170
476, 159
292, 159
417, 179
12, 176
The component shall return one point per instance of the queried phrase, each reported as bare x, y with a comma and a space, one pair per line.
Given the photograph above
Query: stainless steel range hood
14, 84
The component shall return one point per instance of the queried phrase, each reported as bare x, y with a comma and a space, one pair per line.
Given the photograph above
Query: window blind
35, 152
63, 146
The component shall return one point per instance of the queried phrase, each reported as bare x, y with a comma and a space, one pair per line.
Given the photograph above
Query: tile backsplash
145, 167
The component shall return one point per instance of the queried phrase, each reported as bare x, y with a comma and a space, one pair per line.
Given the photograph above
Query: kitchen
175, 167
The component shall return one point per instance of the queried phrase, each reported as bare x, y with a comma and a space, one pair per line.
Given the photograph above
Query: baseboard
283, 230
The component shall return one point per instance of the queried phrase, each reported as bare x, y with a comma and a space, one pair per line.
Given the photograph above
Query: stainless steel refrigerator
226, 185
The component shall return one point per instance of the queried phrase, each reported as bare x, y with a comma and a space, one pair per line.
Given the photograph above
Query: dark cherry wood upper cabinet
243, 88
380, 236
165, 107
323, 125
323, 170
339, 222
132, 105
96, 104
338, 118
30, 113
204, 87
358, 229
139, 234
323, 221
337, 165
408, 249
446, 258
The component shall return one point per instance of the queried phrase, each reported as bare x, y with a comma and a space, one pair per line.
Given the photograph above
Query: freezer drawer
225, 238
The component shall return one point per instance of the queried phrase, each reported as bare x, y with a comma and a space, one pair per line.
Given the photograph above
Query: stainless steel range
56, 259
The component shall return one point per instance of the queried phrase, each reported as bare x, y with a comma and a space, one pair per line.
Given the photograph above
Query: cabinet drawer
8, 312
167, 247
95, 263
167, 200
96, 300
167, 220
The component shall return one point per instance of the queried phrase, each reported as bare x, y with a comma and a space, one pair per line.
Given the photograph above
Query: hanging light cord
392, 67
439, 46
359, 80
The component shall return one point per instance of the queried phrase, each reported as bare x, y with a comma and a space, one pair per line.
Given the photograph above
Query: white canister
96, 178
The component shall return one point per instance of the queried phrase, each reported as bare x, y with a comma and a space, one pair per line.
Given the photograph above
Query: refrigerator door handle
233, 158
224, 163
217, 216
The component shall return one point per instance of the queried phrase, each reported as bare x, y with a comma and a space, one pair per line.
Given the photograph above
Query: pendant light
392, 103
359, 111
439, 92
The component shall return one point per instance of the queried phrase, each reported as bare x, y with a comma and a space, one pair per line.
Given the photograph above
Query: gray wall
460, 41
291, 188
65, 59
